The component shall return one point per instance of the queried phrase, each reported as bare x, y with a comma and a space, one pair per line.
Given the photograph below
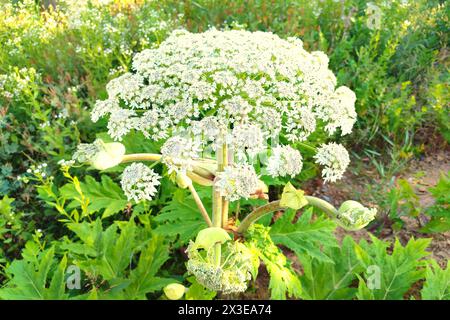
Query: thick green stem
200, 205
225, 202
217, 222
275, 205
307, 146
258, 213
217, 209
141, 157
218, 204
323, 205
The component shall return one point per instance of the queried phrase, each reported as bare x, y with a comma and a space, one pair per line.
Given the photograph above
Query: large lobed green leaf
440, 211
37, 279
306, 236
129, 263
143, 278
325, 280
390, 275
180, 218
437, 282
104, 196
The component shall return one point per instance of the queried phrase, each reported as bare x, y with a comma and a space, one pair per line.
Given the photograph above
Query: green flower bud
99, 154
353, 215
174, 291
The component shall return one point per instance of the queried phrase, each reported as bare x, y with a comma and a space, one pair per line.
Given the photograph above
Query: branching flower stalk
261, 211
225, 202
220, 205
200, 204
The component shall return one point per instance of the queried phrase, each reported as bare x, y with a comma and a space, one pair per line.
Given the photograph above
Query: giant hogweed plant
230, 107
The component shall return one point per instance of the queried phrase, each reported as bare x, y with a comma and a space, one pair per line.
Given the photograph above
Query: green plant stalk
141, 157
217, 222
217, 209
261, 211
200, 205
217, 199
218, 204
307, 146
225, 202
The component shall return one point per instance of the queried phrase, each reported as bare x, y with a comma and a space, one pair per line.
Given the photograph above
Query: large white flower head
237, 181
284, 161
139, 182
252, 84
335, 158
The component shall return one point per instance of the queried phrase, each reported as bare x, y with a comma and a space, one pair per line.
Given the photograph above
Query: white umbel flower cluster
234, 75
179, 152
139, 182
284, 161
235, 86
247, 139
237, 181
334, 157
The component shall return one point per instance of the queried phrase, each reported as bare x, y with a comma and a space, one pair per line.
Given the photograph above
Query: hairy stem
258, 213
199, 179
217, 209
225, 202
200, 205
218, 202
217, 221
307, 146
238, 208
141, 157
275, 205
